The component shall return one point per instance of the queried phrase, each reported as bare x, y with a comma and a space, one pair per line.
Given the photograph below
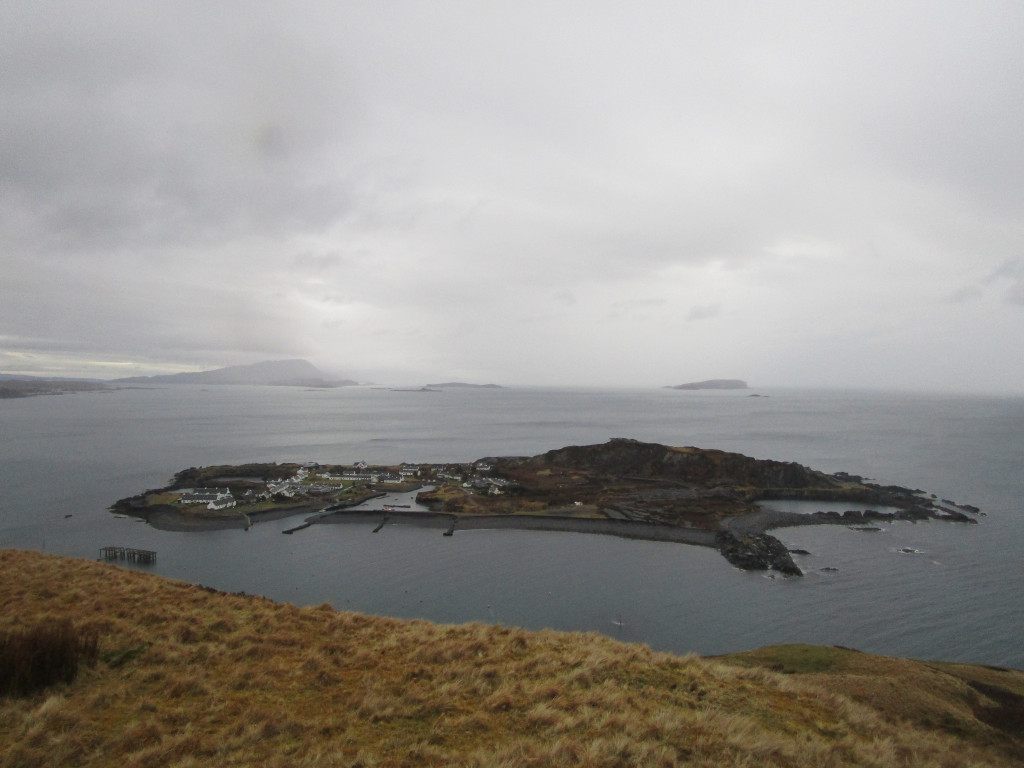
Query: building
205, 495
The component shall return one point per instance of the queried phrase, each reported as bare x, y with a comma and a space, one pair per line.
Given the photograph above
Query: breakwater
452, 523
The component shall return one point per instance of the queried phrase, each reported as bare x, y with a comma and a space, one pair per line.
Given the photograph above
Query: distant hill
712, 384
279, 373
456, 384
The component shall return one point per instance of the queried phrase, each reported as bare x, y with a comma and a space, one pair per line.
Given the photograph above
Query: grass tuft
46, 654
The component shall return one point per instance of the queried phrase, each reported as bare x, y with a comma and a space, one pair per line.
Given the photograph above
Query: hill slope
187, 676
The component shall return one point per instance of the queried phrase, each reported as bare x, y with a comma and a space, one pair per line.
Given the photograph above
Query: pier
127, 554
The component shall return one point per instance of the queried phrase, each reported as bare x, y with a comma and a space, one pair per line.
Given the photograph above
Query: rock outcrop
756, 553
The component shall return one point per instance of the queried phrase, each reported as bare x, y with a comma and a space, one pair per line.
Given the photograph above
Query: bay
64, 459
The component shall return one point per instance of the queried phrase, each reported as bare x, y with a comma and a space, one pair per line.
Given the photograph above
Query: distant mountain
454, 384
278, 373
712, 384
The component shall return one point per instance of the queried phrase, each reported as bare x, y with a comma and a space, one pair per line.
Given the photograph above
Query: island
623, 487
463, 385
712, 384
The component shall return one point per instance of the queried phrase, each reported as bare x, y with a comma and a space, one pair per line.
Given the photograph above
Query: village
264, 488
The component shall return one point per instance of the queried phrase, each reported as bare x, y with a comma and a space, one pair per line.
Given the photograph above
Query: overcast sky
605, 193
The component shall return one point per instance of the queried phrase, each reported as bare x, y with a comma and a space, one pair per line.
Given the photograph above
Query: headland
106, 666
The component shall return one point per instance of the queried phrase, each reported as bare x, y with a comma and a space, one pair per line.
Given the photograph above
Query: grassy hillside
186, 676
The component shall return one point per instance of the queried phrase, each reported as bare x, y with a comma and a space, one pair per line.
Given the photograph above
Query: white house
205, 495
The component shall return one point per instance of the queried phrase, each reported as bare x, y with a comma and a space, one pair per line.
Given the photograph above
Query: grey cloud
167, 133
564, 297
319, 262
704, 312
272, 172
965, 293
1011, 272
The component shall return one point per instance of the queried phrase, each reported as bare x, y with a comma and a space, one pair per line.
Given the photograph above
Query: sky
526, 193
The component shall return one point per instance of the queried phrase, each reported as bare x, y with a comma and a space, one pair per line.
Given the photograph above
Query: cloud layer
552, 193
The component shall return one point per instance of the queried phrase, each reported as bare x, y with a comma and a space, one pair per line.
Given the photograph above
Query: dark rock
915, 513
955, 517
799, 552
756, 553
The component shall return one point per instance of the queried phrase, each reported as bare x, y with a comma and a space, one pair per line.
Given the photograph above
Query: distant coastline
16, 388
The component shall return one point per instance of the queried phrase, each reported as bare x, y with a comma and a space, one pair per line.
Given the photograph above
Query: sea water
928, 590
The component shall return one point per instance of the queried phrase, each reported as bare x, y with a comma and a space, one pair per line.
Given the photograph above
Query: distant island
12, 386
623, 488
712, 384
464, 385
274, 373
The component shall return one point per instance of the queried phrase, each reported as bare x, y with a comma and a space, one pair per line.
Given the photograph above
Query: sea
929, 590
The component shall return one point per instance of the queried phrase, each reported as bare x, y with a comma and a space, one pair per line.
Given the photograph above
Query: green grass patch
162, 498
793, 659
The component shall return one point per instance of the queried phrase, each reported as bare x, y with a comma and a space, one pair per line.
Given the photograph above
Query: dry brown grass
43, 655
189, 677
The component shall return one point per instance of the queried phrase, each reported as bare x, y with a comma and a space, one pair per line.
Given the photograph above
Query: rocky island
623, 488
712, 384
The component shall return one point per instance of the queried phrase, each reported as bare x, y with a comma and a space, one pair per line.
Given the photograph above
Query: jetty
127, 554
